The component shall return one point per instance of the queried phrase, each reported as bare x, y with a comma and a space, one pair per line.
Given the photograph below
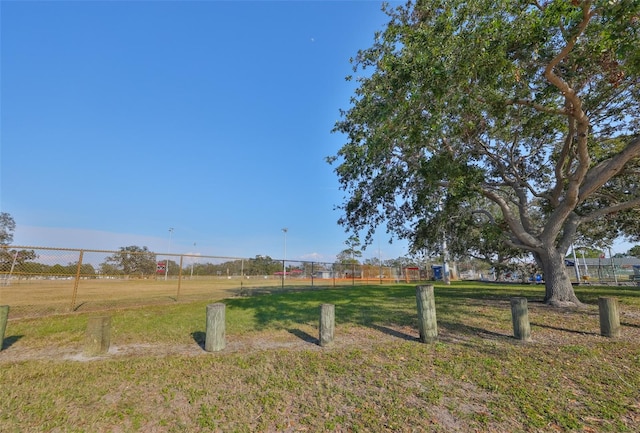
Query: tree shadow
380, 307
304, 336
10, 341
355, 306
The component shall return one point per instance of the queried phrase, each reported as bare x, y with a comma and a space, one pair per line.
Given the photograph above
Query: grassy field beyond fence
273, 376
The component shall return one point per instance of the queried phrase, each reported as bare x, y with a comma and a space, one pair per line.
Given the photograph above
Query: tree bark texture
427, 323
327, 324
98, 335
520, 318
216, 328
4, 317
558, 288
609, 317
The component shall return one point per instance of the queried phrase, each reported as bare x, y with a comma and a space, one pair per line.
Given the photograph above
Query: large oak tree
131, 260
531, 105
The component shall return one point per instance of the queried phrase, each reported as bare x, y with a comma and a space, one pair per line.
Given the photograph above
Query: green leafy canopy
530, 108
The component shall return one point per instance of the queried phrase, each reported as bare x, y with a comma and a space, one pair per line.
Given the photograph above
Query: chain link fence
38, 281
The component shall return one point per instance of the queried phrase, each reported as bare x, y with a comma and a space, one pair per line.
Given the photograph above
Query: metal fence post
179, 277
4, 317
77, 280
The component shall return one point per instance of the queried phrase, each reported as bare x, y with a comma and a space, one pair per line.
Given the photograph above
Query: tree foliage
15, 260
588, 253
131, 260
351, 254
533, 107
7, 226
263, 265
634, 251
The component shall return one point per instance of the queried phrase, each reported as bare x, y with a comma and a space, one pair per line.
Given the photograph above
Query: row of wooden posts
98, 333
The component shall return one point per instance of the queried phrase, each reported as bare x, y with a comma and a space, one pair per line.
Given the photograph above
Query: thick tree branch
570, 199
514, 223
611, 209
605, 170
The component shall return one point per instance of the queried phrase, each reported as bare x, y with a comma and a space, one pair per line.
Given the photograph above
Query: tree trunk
558, 288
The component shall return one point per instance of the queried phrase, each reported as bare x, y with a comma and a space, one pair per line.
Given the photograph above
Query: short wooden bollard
98, 335
520, 319
427, 323
4, 317
609, 317
327, 324
216, 328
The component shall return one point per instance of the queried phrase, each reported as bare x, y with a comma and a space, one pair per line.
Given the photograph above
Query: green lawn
273, 376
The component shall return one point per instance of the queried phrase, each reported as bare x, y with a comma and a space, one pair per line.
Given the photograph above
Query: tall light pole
446, 277
166, 270
576, 265
193, 259
584, 262
613, 267
284, 261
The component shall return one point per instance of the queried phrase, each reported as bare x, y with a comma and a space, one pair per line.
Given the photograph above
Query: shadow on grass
590, 294
556, 328
386, 307
394, 333
80, 305
10, 341
199, 337
472, 330
304, 336
360, 305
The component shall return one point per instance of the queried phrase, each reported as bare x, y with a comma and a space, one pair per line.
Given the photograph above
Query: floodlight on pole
613, 267
576, 265
284, 261
193, 260
584, 262
166, 268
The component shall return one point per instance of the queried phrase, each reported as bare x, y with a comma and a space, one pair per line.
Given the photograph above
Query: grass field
273, 376
41, 297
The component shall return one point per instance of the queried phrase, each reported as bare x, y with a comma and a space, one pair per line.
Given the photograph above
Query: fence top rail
332, 265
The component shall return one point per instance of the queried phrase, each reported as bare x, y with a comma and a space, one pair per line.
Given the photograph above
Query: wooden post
4, 316
609, 317
427, 324
520, 318
98, 335
215, 338
327, 324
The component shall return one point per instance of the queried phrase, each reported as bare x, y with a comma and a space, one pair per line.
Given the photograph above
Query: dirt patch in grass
292, 339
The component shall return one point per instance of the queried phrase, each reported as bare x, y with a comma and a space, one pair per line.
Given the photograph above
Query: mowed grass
273, 376
41, 297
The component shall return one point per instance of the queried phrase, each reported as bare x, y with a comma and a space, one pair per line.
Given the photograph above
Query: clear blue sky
122, 119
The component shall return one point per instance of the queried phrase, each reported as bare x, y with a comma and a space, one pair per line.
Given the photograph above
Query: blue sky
122, 119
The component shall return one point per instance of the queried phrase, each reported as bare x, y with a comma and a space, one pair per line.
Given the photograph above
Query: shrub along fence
37, 281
